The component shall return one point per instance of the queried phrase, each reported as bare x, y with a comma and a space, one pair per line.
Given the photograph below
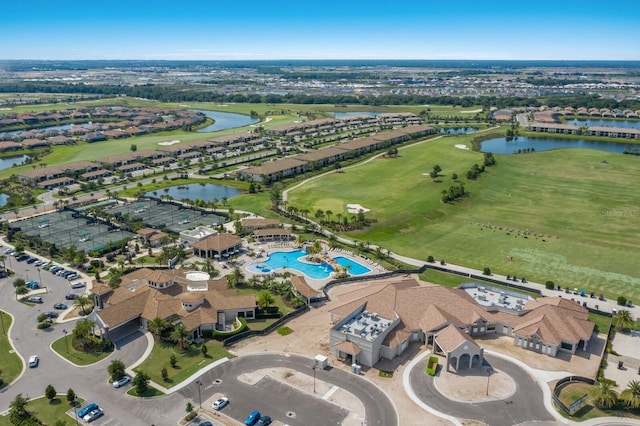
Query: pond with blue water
504, 146
8, 162
627, 124
226, 120
457, 130
279, 260
198, 191
3, 199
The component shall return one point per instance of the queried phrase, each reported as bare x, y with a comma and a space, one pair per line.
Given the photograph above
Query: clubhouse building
178, 296
387, 315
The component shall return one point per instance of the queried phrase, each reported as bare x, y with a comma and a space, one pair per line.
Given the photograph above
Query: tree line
180, 93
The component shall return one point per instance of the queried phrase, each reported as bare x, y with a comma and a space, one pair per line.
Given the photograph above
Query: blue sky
347, 29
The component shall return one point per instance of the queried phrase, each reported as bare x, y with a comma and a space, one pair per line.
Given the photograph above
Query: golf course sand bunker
356, 208
462, 146
173, 142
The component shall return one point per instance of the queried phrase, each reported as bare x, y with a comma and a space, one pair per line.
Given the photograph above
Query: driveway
525, 405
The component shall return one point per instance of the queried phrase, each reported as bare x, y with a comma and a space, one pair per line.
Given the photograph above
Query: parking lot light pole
199, 383
66, 342
314, 378
489, 371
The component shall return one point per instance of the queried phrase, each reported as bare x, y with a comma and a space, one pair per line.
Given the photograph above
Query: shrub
432, 365
486, 271
164, 373
221, 335
41, 317
430, 259
622, 300
387, 374
43, 325
192, 415
173, 361
549, 285
283, 331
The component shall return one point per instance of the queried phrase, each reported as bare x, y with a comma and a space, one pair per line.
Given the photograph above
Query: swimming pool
279, 260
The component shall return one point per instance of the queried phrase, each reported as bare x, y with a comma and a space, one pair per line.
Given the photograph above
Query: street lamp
314, 378
489, 371
66, 342
199, 383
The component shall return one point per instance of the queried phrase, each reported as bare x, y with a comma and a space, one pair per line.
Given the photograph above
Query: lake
501, 146
627, 124
59, 127
3, 199
8, 162
198, 191
226, 120
457, 130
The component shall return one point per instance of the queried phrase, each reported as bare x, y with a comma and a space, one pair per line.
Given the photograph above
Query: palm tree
81, 302
157, 325
631, 395
179, 335
264, 299
603, 395
235, 278
254, 281
623, 319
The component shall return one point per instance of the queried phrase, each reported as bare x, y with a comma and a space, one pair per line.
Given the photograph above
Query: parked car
33, 284
87, 409
73, 276
207, 423
220, 403
264, 421
78, 285
53, 269
38, 263
51, 314
123, 381
94, 414
33, 361
31, 260
252, 418
22, 257
59, 305
71, 296
34, 299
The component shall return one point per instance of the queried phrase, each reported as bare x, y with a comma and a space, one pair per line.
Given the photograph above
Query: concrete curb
409, 390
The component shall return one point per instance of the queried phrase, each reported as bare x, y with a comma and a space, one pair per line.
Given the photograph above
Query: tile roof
348, 347
452, 337
218, 242
431, 307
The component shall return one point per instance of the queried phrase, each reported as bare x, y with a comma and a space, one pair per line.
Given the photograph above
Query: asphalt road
525, 405
279, 401
270, 396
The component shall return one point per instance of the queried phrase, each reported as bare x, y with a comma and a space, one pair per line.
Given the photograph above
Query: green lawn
575, 391
151, 391
453, 281
554, 213
602, 321
48, 412
189, 361
10, 362
75, 356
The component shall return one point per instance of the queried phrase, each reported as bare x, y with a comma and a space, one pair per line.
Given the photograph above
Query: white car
33, 361
220, 403
93, 415
123, 381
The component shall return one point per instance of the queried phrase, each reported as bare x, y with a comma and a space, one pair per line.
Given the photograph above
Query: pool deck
263, 250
